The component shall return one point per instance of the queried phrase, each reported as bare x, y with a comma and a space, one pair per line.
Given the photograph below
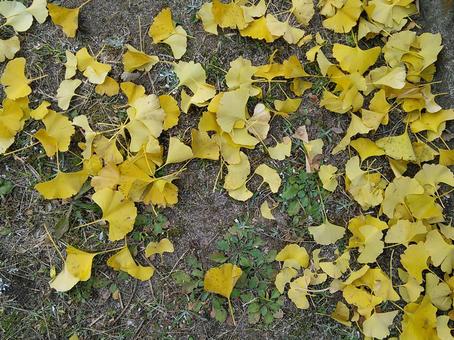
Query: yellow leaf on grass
66, 18
281, 150
161, 247
397, 147
63, 185
8, 48
134, 59
354, 59
163, 193
171, 109
66, 91
286, 107
119, 212
327, 175
269, 176
205, 14
338, 267
124, 262
237, 173
345, 18
293, 256
419, 321
11, 122
16, 15
283, 277
423, 206
229, 15
178, 42
266, 212
38, 9
303, 10
109, 88
162, 26
204, 146
77, 268
14, 79
58, 132
377, 326
326, 233
446, 157
95, 71
298, 292
259, 124
221, 280
366, 148
232, 108
178, 151
404, 231
342, 314
414, 260
70, 65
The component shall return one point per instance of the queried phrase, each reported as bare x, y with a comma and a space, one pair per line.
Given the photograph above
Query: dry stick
19, 150
231, 311
53, 243
87, 224
127, 305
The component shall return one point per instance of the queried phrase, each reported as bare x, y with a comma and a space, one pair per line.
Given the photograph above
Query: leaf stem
87, 224
231, 311
19, 150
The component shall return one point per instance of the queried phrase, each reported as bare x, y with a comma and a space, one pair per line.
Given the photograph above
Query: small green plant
243, 246
302, 198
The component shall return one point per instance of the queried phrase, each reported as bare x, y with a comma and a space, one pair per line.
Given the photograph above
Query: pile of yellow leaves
122, 163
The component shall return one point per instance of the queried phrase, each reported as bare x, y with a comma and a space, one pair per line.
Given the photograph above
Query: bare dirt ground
111, 305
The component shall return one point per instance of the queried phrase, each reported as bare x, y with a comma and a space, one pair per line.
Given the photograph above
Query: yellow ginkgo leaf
446, 157
221, 280
9, 48
161, 247
424, 207
58, 132
108, 177
162, 26
204, 146
240, 73
11, 122
377, 326
270, 176
146, 122
298, 292
265, 211
286, 107
397, 147
283, 277
241, 194
95, 71
63, 185
354, 59
327, 175
303, 10
109, 88
419, 319
123, 261
178, 151
232, 108
293, 256
342, 314
386, 76
66, 91
258, 29
326, 233
171, 109
229, 15
16, 15
70, 65
366, 148
281, 150
14, 79
237, 173
345, 18
205, 14
66, 18
259, 124
134, 59
38, 9
443, 329
338, 267
404, 231
162, 193
414, 260
119, 212
77, 268
178, 42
